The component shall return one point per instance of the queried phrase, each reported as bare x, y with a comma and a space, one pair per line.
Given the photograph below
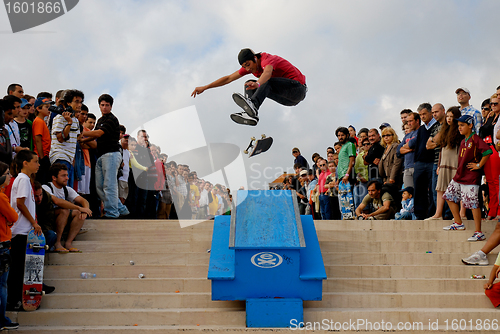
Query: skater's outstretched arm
217, 83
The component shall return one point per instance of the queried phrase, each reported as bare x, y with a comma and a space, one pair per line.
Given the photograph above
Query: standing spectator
299, 159
194, 196
352, 134
361, 170
5, 117
413, 120
485, 109
41, 138
8, 216
438, 112
372, 158
390, 165
463, 98
11, 125
203, 211
84, 183
449, 141
347, 159
404, 114
473, 154
362, 135
424, 162
315, 166
15, 90
123, 179
107, 132
331, 185
22, 200
65, 132
324, 199
142, 180
24, 126
492, 166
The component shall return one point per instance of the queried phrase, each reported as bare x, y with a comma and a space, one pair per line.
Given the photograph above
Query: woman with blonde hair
390, 166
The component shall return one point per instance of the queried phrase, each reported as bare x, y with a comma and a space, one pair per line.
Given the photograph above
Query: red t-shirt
41, 129
282, 68
471, 150
322, 181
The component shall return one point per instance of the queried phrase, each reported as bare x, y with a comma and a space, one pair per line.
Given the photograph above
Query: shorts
466, 193
122, 189
84, 184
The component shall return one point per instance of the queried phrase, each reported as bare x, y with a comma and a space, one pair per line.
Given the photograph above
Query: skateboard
258, 146
346, 201
33, 271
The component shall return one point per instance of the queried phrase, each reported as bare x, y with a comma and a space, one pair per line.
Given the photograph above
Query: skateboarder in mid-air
278, 80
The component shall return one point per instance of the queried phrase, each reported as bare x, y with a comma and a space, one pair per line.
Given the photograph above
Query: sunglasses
389, 135
493, 103
322, 165
484, 108
366, 144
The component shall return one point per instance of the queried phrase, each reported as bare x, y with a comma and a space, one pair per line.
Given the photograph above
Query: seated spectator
376, 205
74, 217
406, 212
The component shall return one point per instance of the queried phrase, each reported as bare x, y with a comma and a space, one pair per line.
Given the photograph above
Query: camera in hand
60, 109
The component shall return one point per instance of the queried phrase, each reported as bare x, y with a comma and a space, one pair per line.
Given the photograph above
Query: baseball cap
303, 172
466, 119
462, 88
384, 125
43, 100
24, 103
126, 136
244, 55
408, 189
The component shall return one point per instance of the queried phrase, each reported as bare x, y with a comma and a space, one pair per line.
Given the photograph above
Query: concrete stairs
377, 271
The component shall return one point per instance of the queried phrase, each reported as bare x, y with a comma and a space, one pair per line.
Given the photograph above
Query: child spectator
22, 200
41, 138
406, 212
464, 186
24, 126
493, 290
7, 217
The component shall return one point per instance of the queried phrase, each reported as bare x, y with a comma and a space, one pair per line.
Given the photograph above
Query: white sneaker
454, 227
477, 236
243, 118
476, 259
246, 104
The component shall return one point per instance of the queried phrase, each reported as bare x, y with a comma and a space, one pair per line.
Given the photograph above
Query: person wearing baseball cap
464, 187
277, 79
463, 98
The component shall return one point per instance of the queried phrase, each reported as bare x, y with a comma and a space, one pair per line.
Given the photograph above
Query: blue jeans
106, 171
50, 238
324, 206
71, 171
433, 189
3, 294
405, 216
359, 193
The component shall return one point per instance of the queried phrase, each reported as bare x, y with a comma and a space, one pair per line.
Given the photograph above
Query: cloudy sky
364, 62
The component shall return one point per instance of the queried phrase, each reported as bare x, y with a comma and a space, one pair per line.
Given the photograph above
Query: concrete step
156, 234
162, 300
214, 329
144, 300
130, 317
127, 271
406, 271
407, 285
435, 246
118, 258
137, 245
396, 259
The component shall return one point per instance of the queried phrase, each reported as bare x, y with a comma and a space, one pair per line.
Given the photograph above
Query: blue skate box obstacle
269, 256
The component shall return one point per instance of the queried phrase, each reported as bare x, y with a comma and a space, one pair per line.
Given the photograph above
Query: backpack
66, 194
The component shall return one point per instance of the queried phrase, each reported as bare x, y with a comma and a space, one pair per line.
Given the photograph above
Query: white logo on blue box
266, 260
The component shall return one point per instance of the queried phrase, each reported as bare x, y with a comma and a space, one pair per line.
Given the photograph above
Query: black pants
285, 91
16, 271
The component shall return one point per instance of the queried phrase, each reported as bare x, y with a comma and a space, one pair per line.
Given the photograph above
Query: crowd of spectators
446, 167
61, 165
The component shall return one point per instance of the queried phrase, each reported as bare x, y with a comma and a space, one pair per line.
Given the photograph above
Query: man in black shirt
107, 135
372, 158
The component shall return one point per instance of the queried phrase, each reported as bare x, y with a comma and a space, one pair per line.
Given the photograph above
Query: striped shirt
65, 150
